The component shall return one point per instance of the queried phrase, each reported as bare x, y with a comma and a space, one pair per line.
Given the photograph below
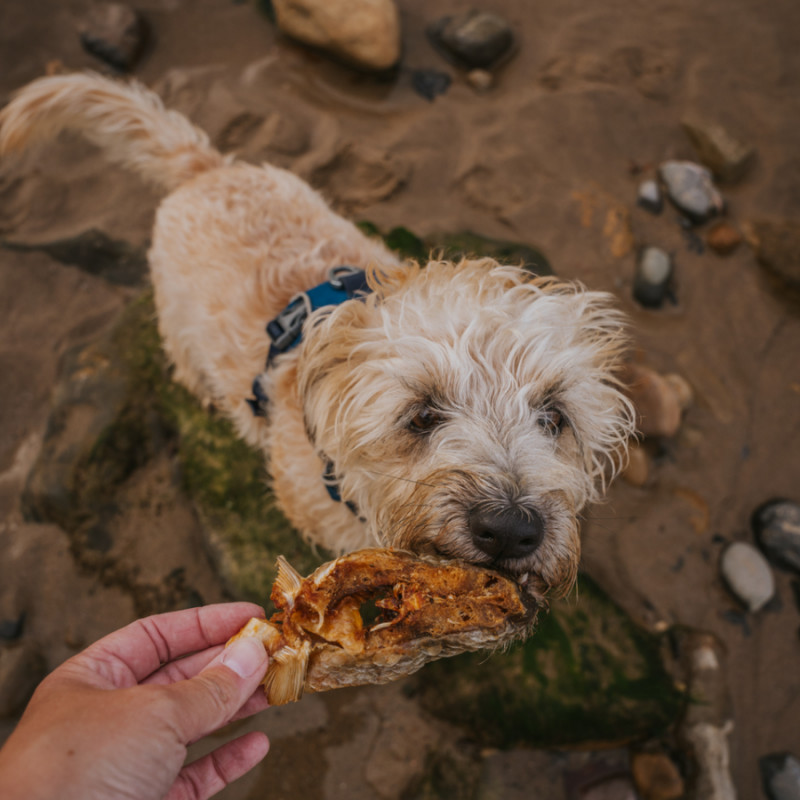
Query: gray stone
748, 575
691, 189
722, 152
776, 526
430, 83
650, 197
780, 774
475, 39
21, 669
652, 282
115, 33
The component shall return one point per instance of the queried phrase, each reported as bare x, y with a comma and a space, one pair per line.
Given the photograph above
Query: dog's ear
336, 341
605, 422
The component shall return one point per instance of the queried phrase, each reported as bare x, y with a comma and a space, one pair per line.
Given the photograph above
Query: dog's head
472, 411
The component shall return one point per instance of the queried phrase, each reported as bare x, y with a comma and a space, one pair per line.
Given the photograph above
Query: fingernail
245, 657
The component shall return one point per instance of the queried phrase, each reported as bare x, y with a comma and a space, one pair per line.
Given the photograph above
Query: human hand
114, 721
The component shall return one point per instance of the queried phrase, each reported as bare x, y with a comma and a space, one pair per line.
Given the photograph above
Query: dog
466, 410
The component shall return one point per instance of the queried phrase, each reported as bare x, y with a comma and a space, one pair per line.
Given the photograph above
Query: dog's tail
128, 121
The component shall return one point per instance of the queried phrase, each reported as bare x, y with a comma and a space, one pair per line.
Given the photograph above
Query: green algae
225, 478
588, 674
454, 246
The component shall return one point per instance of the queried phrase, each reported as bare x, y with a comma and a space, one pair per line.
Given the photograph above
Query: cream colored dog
468, 409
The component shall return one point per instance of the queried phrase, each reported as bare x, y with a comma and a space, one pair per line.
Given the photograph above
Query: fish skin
426, 609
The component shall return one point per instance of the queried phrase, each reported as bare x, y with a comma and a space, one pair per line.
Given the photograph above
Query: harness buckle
345, 270
286, 327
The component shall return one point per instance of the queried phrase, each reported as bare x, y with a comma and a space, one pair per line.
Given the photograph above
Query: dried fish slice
377, 615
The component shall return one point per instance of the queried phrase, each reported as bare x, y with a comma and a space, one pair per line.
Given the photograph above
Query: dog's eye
425, 420
552, 420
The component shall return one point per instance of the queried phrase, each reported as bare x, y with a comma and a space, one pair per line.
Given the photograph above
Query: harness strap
286, 332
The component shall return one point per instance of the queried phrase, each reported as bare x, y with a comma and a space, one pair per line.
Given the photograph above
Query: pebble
11, 628
747, 574
722, 152
21, 669
776, 526
653, 280
650, 197
475, 39
660, 400
114, 33
430, 83
723, 238
691, 189
780, 774
777, 246
656, 777
365, 33
481, 80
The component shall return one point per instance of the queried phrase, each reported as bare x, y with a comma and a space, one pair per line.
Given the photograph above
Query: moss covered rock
115, 409
588, 674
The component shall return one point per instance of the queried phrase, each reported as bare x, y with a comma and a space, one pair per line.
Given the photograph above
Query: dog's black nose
506, 534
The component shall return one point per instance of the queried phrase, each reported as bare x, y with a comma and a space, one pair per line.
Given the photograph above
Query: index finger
131, 654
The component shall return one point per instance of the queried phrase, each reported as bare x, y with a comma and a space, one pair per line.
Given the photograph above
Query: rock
115, 33
474, 39
11, 628
638, 469
430, 83
115, 411
780, 776
650, 197
777, 246
683, 391
723, 238
660, 400
365, 33
481, 80
747, 574
588, 674
97, 254
709, 744
656, 777
707, 723
726, 156
776, 526
691, 189
21, 669
653, 279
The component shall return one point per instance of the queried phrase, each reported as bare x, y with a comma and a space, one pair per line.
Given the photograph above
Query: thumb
209, 699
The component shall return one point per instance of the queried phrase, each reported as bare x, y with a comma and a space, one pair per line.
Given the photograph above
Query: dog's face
471, 412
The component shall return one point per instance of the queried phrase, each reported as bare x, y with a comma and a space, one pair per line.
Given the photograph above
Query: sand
551, 156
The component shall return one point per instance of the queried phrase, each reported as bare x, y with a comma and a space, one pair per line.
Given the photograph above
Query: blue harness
286, 332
